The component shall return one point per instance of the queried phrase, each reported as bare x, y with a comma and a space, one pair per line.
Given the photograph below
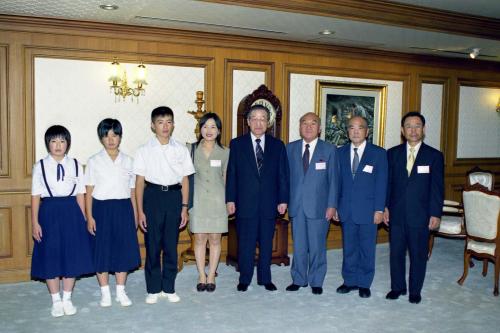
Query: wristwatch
184, 205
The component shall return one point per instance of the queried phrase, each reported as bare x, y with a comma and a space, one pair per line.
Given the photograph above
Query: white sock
105, 290
120, 288
67, 295
56, 297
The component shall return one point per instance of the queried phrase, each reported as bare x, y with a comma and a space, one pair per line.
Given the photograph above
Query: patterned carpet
445, 307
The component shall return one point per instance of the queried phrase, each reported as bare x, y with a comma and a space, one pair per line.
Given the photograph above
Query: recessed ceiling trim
163, 19
395, 14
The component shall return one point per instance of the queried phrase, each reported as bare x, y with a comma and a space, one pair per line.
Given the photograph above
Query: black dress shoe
210, 287
343, 289
242, 287
364, 292
415, 299
201, 287
394, 294
270, 286
317, 290
294, 287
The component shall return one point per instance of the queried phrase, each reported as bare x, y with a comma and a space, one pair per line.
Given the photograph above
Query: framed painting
337, 102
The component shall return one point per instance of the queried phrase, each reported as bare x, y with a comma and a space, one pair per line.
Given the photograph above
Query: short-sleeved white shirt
61, 187
111, 179
163, 164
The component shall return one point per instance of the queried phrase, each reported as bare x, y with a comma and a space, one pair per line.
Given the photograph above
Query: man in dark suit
257, 188
414, 203
363, 189
313, 203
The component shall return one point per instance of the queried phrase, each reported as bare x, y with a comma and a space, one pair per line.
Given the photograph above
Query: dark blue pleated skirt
65, 249
116, 248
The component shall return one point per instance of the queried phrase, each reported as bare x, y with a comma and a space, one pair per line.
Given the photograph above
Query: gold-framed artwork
337, 102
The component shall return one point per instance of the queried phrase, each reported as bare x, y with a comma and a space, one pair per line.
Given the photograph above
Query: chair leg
466, 267
431, 245
485, 267
497, 273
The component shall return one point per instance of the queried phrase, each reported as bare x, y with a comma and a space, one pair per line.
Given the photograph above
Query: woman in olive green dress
208, 216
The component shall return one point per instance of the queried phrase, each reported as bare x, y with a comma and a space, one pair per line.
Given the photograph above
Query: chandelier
120, 87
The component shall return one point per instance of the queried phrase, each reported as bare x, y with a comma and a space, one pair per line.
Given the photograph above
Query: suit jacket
414, 199
362, 196
316, 190
257, 195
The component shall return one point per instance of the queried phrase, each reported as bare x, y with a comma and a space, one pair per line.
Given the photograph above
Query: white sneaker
68, 307
57, 309
172, 298
123, 299
105, 300
152, 298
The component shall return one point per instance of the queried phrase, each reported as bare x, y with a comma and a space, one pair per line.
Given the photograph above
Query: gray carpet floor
445, 307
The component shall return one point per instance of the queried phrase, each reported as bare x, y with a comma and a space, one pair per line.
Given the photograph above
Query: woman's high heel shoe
201, 287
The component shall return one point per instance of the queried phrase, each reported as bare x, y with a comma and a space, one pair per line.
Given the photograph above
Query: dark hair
413, 114
107, 125
218, 123
257, 107
161, 111
57, 131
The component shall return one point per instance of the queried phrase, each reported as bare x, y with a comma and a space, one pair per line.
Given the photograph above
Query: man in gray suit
313, 203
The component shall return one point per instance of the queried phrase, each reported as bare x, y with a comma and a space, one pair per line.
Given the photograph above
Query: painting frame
338, 101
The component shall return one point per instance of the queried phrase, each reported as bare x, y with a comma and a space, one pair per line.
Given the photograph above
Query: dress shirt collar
361, 149
417, 148
312, 146
51, 159
262, 141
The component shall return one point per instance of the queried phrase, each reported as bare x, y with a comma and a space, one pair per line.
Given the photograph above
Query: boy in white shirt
162, 166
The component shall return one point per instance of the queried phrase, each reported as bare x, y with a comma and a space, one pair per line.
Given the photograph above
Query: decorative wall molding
397, 14
6, 239
250, 70
4, 112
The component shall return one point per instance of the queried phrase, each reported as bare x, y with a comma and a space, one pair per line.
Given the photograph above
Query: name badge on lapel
215, 163
423, 169
368, 168
320, 165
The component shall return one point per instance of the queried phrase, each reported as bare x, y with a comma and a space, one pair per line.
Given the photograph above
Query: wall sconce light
474, 53
119, 86
498, 105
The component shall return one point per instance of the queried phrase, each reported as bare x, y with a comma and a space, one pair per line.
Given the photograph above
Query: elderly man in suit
313, 203
414, 203
363, 187
257, 189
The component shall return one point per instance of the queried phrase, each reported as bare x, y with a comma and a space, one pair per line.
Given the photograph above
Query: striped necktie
259, 154
411, 161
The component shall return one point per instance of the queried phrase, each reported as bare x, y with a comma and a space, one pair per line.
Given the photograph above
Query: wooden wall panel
4, 114
22, 39
5, 232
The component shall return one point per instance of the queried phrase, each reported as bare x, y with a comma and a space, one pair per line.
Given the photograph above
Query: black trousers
415, 240
163, 218
250, 232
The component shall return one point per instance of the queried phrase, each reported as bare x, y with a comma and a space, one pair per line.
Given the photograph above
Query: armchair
482, 226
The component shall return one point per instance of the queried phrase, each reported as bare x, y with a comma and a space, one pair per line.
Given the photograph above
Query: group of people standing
85, 222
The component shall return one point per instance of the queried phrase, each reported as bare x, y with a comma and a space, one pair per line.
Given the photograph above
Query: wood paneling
5, 232
22, 39
4, 114
230, 66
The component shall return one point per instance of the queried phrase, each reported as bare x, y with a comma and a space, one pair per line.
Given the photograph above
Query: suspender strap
45, 178
76, 168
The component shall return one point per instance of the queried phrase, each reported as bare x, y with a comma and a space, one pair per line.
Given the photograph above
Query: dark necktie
305, 158
355, 162
259, 154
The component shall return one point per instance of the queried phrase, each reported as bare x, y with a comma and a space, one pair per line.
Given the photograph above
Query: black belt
164, 188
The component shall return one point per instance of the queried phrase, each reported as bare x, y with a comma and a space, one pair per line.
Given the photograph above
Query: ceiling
449, 28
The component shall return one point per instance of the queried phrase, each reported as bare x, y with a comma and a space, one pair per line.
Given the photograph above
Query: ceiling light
109, 7
326, 32
474, 53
